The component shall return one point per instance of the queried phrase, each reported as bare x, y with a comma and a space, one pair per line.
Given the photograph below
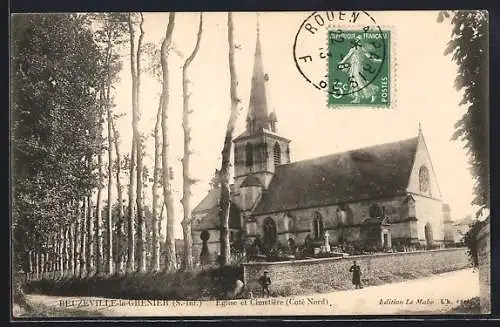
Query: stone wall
378, 268
484, 257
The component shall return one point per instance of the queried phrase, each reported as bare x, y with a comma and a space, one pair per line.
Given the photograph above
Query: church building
384, 196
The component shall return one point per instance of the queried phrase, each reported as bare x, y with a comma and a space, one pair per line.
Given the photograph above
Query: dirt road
436, 294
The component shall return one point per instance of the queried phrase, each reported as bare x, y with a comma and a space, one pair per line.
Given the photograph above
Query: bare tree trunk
54, 258
31, 255
95, 235
187, 260
83, 240
43, 268
98, 214
77, 243
37, 265
141, 223
71, 264
91, 238
155, 266
109, 218
131, 188
32, 258
61, 252
225, 196
65, 250
120, 262
167, 190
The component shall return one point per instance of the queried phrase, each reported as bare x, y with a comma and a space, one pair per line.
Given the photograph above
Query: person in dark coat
356, 274
265, 281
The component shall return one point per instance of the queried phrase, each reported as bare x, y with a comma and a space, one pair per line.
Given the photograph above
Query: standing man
356, 275
265, 281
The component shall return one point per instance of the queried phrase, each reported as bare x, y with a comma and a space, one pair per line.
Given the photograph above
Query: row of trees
65, 67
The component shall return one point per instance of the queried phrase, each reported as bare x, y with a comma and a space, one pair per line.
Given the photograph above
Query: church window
277, 154
376, 211
249, 154
270, 233
423, 180
318, 229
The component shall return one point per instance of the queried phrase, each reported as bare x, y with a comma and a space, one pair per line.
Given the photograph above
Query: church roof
251, 180
372, 172
209, 207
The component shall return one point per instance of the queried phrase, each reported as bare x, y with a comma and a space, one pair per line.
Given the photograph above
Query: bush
179, 285
470, 240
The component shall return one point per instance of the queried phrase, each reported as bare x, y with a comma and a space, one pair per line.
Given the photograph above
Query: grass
38, 310
308, 287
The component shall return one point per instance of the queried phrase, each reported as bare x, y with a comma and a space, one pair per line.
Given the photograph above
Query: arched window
318, 230
429, 237
423, 180
270, 234
376, 211
344, 215
249, 154
277, 154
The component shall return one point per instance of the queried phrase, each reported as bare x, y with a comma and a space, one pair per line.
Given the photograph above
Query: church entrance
270, 233
386, 238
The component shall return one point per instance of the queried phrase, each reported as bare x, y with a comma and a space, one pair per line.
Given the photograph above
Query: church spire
258, 117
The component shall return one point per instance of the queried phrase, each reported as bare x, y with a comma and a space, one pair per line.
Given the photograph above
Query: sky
423, 82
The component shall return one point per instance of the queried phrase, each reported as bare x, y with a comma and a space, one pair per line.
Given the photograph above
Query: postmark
347, 55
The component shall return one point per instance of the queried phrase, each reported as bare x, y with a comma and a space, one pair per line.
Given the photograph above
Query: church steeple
258, 117
259, 149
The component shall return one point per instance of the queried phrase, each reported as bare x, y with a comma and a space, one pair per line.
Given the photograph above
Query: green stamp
359, 68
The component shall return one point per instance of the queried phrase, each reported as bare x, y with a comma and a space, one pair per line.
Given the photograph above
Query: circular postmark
344, 53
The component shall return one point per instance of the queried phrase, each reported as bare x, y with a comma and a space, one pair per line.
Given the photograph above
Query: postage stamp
350, 56
182, 164
358, 68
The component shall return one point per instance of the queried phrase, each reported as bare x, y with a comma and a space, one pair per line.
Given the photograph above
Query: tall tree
167, 189
469, 49
224, 173
187, 262
133, 155
141, 224
98, 212
54, 118
120, 256
110, 35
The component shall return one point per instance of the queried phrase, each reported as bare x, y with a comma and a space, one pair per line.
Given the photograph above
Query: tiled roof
251, 180
371, 172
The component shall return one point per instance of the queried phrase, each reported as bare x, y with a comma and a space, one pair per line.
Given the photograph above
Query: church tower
259, 149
